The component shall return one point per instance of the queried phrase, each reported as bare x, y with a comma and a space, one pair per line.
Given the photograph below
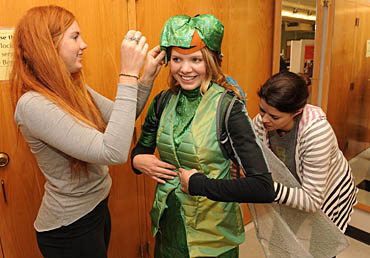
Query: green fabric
185, 111
178, 32
212, 228
148, 134
170, 241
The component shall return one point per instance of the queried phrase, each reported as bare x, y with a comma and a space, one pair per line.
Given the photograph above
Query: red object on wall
308, 52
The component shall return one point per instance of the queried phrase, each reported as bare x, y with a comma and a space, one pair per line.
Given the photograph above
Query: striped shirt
326, 178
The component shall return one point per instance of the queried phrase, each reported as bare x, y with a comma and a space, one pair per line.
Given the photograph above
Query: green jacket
214, 226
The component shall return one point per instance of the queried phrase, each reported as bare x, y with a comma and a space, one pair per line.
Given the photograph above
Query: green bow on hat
178, 32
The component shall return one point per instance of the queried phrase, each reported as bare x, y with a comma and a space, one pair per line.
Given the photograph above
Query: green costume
191, 226
186, 136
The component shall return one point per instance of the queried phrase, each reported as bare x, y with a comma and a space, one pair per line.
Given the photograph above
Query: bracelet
129, 75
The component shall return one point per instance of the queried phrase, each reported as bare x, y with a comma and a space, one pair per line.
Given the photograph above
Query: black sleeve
252, 189
257, 186
147, 140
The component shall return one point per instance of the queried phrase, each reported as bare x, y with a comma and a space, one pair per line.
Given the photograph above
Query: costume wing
287, 232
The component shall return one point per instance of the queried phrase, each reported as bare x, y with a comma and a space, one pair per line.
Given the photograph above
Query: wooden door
342, 60
348, 109
358, 127
22, 184
103, 25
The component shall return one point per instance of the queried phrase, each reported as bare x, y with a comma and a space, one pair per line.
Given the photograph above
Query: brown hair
213, 73
285, 91
38, 67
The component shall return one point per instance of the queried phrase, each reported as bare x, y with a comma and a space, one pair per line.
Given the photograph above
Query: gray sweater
53, 136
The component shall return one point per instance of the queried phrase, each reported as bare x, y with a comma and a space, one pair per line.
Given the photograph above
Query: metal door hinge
357, 22
325, 3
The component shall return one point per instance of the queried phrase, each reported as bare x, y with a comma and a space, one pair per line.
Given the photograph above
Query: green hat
178, 32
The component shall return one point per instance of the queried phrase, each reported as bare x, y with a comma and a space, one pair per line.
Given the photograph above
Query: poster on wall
308, 60
6, 52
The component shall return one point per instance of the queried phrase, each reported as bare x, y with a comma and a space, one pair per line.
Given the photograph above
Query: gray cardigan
53, 135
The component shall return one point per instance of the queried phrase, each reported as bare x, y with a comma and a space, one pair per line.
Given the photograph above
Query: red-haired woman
73, 131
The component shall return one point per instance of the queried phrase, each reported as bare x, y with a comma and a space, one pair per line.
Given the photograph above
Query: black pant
87, 237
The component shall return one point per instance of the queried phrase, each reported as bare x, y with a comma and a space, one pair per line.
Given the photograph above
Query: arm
142, 158
153, 65
104, 104
47, 122
314, 152
257, 186
152, 68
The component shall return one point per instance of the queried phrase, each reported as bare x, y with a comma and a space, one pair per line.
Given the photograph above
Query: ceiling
300, 4
306, 9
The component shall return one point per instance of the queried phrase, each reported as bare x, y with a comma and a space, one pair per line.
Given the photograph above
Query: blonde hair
214, 73
38, 67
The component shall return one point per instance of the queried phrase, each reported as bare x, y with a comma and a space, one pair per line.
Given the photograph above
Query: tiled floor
252, 249
361, 171
360, 219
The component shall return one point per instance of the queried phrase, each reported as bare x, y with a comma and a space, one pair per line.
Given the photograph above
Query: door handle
4, 159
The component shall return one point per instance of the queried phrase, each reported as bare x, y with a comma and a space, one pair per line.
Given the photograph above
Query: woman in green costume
186, 137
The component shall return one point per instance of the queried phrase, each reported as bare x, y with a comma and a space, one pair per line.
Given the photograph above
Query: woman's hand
133, 51
154, 168
153, 65
184, 176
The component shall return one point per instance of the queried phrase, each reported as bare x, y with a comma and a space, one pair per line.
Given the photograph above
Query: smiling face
189, 70
71, 47
273, 119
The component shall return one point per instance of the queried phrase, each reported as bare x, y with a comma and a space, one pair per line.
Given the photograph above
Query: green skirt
171, 236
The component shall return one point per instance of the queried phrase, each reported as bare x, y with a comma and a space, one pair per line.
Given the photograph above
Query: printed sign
6, 53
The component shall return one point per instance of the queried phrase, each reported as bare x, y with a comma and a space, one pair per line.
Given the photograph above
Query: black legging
87, 237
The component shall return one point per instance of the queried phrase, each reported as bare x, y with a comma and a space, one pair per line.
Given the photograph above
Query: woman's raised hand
156, 169
153, 65
133, 52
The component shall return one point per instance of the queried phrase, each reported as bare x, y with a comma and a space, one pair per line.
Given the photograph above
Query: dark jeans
87, 237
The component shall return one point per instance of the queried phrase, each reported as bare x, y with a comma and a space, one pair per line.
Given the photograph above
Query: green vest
212, 228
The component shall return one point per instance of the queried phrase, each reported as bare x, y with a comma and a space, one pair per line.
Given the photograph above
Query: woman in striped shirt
300, 135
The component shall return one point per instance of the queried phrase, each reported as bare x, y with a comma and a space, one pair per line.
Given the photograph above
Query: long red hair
38, 67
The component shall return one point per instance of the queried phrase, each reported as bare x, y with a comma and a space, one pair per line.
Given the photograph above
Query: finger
164, 176
165, 165
145, 49
154, 51
168, 173
141, 42
129, 35
159, 180
159, 57
137, 36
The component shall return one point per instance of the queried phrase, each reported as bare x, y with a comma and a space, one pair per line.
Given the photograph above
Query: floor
360, 219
